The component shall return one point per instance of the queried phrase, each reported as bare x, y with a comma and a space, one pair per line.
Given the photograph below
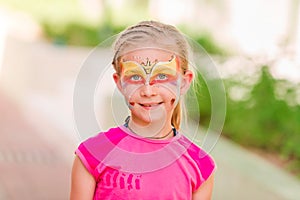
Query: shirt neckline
124, 129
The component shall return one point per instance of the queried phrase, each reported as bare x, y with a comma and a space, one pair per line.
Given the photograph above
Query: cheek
169, 92
130, 91
169, 98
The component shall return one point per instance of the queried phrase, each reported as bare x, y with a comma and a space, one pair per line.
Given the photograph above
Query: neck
156, 130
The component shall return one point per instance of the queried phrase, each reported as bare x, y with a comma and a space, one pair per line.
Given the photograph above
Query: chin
148, 118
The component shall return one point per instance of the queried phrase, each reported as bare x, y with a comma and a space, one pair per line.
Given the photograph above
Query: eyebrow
134, 71
163, 68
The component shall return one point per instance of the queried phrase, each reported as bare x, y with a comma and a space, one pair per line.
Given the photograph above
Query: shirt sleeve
87, 159
205, 164
94, 150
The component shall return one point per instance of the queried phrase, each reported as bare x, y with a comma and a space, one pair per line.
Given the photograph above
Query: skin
204, 192
156, 119
83, 183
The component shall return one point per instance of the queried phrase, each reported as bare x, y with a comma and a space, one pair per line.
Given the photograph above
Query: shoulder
203, 161
102, 140
94, 149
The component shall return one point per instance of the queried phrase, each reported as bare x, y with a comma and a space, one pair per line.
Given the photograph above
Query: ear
186, 81
117, 80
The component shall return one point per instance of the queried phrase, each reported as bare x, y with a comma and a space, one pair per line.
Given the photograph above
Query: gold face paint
149, 74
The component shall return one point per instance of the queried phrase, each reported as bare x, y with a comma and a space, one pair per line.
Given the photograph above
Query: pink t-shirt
126, 166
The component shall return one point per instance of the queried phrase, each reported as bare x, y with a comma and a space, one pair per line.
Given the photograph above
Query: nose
147, 91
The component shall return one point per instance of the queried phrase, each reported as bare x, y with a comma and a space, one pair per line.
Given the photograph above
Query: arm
204, 192
82, 182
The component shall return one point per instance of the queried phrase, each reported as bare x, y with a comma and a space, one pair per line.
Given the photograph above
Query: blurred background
255, 45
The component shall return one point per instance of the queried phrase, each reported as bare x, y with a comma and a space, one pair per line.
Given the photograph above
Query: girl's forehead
152, 54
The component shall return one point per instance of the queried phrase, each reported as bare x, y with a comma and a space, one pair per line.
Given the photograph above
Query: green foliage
262, 120
202, 99
80, 34
205, 39
208, 43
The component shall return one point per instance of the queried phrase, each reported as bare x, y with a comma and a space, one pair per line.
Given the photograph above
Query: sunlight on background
92, 9
259, 26
173, 12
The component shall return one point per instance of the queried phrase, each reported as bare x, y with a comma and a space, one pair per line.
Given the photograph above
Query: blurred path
31, 167
38, 138
244, 175
36, 147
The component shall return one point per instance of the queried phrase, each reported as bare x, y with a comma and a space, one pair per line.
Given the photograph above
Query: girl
147, 157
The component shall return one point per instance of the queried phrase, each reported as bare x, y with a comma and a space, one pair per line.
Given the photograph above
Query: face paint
134, 73
166, 74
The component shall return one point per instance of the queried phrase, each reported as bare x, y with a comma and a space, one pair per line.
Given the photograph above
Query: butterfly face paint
135, 75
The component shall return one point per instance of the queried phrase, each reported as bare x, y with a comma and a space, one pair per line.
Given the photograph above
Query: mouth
147, 106
150, 105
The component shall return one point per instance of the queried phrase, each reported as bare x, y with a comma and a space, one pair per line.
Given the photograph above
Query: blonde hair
154, 34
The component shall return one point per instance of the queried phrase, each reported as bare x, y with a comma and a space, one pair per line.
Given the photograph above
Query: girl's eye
161, 77
135, 78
